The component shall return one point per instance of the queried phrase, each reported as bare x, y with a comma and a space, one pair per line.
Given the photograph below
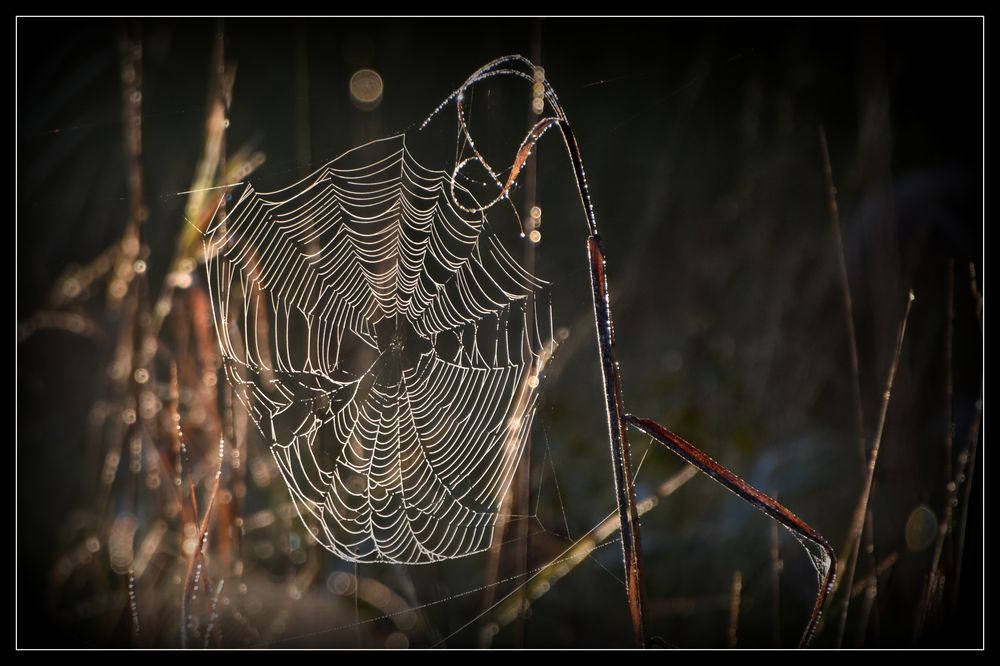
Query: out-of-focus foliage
700, 141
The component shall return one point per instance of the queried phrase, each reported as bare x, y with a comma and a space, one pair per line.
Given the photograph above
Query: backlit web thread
387, 346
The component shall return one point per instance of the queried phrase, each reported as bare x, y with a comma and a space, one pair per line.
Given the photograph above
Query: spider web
390, 350
387, 346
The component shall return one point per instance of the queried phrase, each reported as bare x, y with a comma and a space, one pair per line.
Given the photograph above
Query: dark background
700, 139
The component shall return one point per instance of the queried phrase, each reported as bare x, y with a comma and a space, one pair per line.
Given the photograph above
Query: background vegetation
701, 141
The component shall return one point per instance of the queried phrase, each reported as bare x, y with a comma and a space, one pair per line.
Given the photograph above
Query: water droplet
340, 582
921, 528
366, 89
71, 288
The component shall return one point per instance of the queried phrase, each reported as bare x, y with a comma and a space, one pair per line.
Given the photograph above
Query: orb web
388, 347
